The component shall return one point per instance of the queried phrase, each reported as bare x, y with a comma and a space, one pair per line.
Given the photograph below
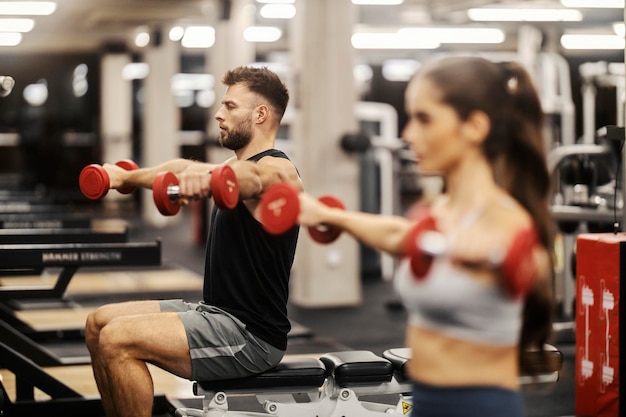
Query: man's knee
96, 321
111, 340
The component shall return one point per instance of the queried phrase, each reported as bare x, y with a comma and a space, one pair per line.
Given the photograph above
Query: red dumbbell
94, 181
423, 243
224, 190
280, 208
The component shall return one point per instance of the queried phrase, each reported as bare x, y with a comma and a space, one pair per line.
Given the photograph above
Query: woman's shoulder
507, 214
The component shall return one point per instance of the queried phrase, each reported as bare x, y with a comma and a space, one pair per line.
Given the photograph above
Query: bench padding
290, 372
357, 367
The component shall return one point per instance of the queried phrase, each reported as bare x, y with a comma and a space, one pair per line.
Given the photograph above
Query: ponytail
525, 176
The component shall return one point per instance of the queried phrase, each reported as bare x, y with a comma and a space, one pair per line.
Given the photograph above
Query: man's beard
237, 138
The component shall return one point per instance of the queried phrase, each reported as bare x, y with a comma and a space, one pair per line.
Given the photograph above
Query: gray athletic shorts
219, 344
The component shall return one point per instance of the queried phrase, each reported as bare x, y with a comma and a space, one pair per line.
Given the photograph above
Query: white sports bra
450, 301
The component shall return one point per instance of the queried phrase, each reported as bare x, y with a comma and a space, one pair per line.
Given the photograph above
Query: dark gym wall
57, 138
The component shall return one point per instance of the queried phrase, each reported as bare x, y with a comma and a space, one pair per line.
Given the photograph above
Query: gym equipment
335, 384
94, 181
46, 221
280, 207
69, 257
224, 189
598, 324
25, 358
77, 235
423, 243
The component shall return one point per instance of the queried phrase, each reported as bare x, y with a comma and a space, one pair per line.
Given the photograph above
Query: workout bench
334, 384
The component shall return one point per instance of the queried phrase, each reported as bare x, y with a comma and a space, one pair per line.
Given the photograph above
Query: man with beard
240, 327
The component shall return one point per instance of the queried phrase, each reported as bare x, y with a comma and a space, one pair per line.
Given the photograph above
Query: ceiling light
35, 8
135, 71
387, 40
198, 37
456, 35
16, 25
276, 1
189, 81
377, 2
580, 41
524, 15
278, 11
598, 4
262, 34
142, 39
400, 69
10, 38
176, 33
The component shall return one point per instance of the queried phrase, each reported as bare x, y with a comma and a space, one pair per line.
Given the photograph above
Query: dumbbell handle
173, 192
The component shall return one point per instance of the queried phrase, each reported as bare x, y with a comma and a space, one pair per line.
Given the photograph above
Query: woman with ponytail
479, 125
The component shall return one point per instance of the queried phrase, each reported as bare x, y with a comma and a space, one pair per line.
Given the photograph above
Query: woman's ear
476, 127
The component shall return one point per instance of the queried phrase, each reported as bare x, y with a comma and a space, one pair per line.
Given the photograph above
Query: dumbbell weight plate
420, 261
324, 233
224, 187
279, 208
94, 182
162, 200
128, 165
518, 267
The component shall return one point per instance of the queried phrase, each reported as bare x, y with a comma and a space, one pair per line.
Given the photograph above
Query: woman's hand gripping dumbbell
94, 181
223, 184
280, 207
516, 263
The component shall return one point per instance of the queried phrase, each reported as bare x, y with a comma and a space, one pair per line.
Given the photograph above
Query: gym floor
376, 324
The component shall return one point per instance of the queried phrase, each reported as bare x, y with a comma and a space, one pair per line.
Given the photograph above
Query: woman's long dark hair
516, 149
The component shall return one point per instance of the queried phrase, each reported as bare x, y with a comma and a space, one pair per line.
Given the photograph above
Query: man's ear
477, 126
262, 113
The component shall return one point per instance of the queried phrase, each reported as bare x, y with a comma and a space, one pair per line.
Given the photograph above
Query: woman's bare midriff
437, 359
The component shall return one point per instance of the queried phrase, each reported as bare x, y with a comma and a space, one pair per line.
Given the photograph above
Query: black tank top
247, 270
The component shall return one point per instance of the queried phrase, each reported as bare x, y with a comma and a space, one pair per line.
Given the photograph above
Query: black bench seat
292, 373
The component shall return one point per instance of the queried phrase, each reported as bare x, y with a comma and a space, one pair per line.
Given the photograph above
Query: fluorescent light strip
456, 35
278, 11
259, 34
276, 1
594, 4
10, 38
524, 15
16, 25
198, 37
377, 2
31, 8
574, 41
391, 41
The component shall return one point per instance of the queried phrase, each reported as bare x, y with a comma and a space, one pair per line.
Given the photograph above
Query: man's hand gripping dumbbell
223, 187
